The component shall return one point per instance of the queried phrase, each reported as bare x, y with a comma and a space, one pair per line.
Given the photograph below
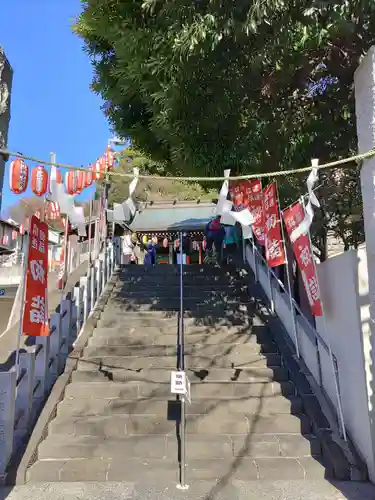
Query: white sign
180, 384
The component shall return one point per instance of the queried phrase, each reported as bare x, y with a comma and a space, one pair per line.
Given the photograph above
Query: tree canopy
157, 189
251, 85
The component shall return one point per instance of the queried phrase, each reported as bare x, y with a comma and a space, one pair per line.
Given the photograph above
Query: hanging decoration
5, 239
71, 182
14, 235
18, 176
304, 226
39, 180
53, 210
293, 218
154, 240
109, 159
176, 244
89, 176
144, 239
204, 244
22, 229
100, 169
254, 202
80, 181
165, 243
55, 176
275, 255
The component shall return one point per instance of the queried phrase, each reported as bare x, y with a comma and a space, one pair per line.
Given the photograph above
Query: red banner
35, 315
253, 199
275, 255
236, 194
293, 216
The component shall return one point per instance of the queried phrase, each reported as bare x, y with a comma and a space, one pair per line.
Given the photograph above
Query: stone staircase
117, 421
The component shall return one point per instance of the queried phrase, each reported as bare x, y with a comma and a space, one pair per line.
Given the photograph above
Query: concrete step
163, 321
84, 407
133, 336
119, 426
223, 349
237, 358
164, 447
96, 374
257, 474
189, 295
211, 306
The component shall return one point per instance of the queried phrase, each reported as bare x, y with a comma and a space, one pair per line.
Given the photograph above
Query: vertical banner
293, 217
35, 316
236, 194
275, 254
253, 199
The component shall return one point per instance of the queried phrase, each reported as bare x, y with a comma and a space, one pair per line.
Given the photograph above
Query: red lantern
89, 176
39, 180
71, 182
14, 235
80, 181
100, 169
109, 159
18, 176
204, 244
5, 239
165, 243
54, 210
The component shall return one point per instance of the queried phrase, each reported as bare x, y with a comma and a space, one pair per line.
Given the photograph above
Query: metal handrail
181, 367
318, 339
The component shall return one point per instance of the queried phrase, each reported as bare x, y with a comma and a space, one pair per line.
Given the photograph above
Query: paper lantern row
75, 180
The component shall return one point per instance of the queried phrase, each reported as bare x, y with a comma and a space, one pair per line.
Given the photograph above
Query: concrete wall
6, 76
344, 288
345, 331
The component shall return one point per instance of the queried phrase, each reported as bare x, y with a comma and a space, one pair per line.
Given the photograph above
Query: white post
364, 80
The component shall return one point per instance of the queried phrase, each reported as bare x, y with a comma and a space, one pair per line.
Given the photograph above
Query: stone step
256, 472
191, 294
199, 446
95, 374
211, 307
84, 407
119, 426
127, 319
224, 349
156, 384
133, 336
235, 359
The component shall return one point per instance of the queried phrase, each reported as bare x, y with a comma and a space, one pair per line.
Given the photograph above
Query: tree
248, 85
155, 189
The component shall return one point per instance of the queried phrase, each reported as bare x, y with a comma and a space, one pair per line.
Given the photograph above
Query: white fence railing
315, 352
21, 396
11, 266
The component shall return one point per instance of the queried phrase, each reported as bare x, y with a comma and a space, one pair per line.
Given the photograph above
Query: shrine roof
166, 216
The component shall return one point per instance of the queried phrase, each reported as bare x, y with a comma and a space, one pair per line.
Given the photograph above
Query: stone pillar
364, 80
6, 77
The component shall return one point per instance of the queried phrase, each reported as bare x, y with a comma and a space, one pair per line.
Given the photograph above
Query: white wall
343, 296
343, 281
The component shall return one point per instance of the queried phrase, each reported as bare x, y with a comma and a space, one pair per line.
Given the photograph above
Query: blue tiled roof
173, 218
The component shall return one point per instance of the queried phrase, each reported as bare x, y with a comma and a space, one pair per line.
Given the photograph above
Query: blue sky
53, 108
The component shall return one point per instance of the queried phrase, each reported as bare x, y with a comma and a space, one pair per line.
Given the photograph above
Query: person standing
150, 257
127, 248
214, 234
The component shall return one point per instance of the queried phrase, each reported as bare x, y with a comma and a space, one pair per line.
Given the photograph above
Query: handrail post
181, 367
